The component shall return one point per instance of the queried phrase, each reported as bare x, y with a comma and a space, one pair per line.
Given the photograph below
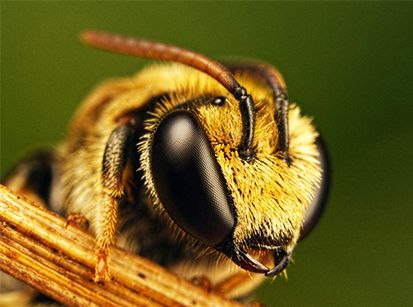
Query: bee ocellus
202, 167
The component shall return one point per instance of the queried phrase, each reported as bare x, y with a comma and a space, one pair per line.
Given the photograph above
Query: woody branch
37, 248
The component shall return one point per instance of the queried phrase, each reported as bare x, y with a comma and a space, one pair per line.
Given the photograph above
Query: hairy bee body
106, 161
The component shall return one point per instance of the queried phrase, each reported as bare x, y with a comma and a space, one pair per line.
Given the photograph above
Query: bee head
240, 174
251, 211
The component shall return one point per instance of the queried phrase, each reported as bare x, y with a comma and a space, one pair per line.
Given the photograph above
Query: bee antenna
154, 50
275, 81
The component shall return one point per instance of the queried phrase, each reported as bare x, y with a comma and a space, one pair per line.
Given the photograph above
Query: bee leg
202, 282
114, 162
78, 220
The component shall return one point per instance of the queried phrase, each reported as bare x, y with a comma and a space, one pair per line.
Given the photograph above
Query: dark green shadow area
349, 65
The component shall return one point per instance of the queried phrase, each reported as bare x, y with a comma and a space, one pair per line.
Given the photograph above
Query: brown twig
37, 248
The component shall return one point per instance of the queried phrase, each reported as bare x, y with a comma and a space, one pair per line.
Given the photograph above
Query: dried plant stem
37, 248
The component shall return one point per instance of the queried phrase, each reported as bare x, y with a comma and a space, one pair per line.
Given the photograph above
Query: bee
204, 168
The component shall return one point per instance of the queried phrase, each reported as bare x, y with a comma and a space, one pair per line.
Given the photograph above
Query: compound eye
188, 179
317, 205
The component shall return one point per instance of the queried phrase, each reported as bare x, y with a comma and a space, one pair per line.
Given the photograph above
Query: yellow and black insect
203, 168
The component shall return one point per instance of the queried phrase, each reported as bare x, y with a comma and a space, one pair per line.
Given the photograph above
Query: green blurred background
349, 65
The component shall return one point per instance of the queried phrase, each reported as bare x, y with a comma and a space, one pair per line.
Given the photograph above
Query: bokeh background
349, 65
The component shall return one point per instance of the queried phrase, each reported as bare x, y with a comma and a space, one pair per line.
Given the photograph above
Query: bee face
193, 170
270, 195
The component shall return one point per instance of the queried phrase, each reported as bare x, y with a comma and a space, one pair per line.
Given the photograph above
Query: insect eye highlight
188, 179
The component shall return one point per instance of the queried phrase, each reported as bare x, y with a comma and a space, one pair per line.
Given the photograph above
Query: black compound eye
317, 205
188, 179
